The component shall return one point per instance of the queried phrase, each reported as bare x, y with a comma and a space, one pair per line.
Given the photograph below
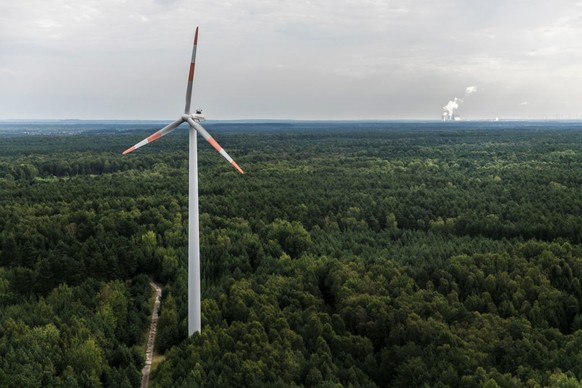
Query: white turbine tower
194, 314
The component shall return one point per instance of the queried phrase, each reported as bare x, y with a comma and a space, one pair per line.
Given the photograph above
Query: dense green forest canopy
364, 254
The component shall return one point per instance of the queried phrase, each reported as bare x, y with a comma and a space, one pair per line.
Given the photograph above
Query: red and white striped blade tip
237, 167
204, 133
162, 132
145, 141
218, 148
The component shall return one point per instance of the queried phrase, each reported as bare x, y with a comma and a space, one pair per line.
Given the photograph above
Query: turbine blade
200, 129
191, 74
162, 132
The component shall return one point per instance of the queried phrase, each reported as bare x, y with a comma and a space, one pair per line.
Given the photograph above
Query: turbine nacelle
198, 116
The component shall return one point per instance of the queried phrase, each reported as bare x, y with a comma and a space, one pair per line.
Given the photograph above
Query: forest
390, 254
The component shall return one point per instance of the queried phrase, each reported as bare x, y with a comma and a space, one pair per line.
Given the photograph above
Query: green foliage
291, 237
384, 255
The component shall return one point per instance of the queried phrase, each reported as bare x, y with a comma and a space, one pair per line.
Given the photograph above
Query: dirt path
145, 372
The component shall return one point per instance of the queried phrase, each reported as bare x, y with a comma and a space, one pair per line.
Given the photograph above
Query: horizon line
73, 120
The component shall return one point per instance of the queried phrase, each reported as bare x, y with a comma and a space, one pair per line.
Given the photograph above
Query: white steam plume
470, 90
449, 109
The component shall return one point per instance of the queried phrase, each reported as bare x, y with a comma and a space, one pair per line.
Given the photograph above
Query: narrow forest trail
145, 372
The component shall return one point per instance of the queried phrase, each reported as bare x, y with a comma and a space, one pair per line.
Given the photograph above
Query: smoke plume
449, 109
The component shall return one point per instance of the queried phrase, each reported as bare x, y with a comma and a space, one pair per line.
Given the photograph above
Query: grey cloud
300, 59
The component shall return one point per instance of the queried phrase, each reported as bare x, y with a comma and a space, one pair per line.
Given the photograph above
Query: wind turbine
194, 314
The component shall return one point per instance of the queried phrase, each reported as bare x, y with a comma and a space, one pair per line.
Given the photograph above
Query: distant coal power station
449, 109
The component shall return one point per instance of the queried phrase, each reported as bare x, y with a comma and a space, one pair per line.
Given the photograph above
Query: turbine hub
198, 116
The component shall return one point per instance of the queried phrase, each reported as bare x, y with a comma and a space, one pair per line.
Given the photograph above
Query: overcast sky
319, 59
